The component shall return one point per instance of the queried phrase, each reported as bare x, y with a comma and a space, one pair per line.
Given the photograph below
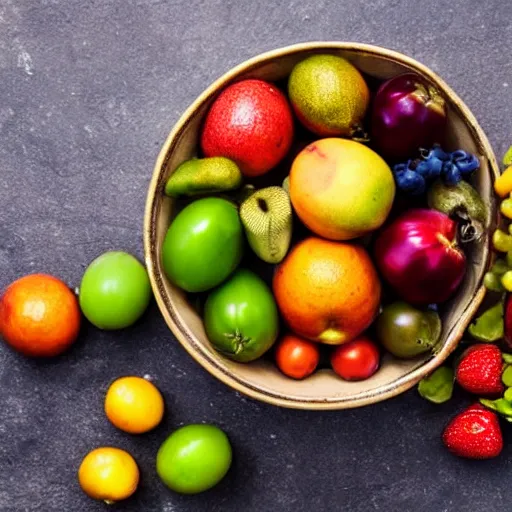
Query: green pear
201, 176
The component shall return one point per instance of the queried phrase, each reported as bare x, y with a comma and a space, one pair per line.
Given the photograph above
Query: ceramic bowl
261, 380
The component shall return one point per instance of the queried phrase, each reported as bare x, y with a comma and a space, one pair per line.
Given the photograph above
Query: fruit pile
323, 214
40, 317
201, 452
481, 365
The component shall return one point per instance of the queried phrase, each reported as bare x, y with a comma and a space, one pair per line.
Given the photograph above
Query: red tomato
356, 360
296, 357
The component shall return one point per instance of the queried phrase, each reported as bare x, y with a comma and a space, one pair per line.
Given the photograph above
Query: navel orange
327, 291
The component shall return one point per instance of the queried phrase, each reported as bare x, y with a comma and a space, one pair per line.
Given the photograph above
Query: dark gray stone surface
88, 92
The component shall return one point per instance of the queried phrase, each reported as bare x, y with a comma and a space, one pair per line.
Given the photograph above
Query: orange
340, 188
134, 405
39, 316
108, 474
327, 291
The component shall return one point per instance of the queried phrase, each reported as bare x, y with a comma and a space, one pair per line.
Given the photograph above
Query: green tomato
407, 332
203, 245
194, 458
115, 291
241, 317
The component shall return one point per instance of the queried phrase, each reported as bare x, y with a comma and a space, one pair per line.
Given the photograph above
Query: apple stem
469, 231
358, 134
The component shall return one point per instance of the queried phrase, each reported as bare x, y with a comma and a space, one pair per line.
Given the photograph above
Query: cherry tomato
296, 357
356, 360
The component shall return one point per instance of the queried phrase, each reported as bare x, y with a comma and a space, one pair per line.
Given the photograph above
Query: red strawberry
474, 433
250, 122
479, 370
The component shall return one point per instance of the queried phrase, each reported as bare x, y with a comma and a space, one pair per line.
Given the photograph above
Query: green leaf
438, 386
501, 406
507, 159
490, 404
489, 326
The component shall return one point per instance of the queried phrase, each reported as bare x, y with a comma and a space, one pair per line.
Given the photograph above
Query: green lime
203, 245
115, 291
194, 458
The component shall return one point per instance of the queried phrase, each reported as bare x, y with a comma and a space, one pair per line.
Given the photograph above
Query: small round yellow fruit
134, 405
108, 474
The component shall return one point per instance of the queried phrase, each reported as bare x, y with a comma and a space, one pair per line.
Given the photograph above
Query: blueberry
423, 168
411, 182
436, 152
400, 167
436, 166
465, 162
451, 174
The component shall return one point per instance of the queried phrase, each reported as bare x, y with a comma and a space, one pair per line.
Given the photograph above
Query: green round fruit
194, 458
203, 245
407, 332
241, 317
329, 95
115, 291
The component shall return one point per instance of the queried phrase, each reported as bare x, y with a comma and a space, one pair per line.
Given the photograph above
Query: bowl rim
186, 337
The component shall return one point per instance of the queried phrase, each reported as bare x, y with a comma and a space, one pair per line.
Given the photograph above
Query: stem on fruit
423, 153
238, 341
469, 231
358, 134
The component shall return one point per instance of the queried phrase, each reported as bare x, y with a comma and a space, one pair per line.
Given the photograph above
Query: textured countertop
88, 92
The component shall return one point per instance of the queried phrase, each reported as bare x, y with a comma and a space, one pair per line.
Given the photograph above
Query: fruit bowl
260, 379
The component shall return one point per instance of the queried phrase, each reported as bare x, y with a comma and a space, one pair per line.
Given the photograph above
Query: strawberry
479, 370
474, 433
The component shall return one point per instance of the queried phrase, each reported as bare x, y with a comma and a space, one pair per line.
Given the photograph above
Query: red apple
418, 255
408, 113
251, 123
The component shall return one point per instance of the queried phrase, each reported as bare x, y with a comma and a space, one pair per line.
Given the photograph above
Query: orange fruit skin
327, 291
39, 316
108, 474
134, 405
